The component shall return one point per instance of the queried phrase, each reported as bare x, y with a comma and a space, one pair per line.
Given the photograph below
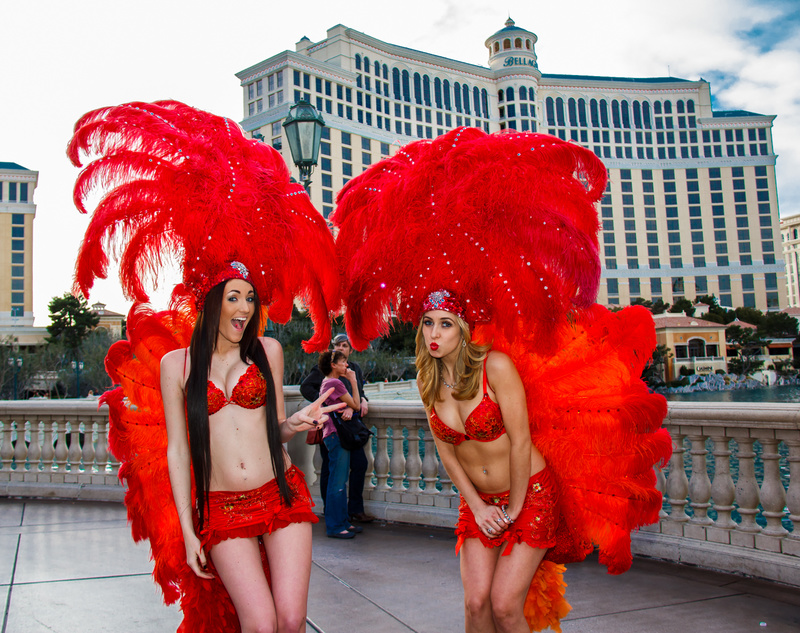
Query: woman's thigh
289, 556
238, 562
477, 570
513, 575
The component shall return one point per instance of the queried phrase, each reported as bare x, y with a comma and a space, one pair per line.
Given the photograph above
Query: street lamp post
303, 129
15, 363
77, 365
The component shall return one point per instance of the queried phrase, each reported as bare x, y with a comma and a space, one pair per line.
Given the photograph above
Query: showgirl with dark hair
199, 418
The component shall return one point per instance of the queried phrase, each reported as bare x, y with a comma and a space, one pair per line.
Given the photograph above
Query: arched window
560, 111
358, 61
509, 94
528, 44
615, 113
465, 96
366, 64
626, 115
485, 102
690, 106
446, 90
385, 72
506, 44
437, 92
406, 87
549, 107
497, 47
518, 42
396, 83
679, 106
594, 112
426, 89
476, 100
582, 112
523, 93
668, 107
531, 95
646, 115
604, 113
697, 348
657, 107
573, 114
637, 115
501, 95
377, 69
457, 96
417, 88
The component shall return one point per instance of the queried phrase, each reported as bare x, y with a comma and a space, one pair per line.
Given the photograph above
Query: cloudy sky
61, 59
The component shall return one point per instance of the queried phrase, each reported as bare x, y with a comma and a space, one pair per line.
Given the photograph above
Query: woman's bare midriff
494, 458
240, 457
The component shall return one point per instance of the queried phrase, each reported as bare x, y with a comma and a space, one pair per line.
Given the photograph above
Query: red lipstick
434, 346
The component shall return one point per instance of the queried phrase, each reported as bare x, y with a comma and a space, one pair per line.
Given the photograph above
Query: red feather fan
507, 222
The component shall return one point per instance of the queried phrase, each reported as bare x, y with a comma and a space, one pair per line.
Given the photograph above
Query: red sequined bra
483, 424
250, 392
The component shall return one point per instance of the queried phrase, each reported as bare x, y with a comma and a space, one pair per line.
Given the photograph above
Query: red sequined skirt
535, 526
249, 513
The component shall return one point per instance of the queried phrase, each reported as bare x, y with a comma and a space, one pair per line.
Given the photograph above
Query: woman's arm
354, 401
510, 393
179, 456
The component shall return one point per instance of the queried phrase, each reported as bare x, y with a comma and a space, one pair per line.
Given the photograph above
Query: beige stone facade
696, 344
691, 208
790, 238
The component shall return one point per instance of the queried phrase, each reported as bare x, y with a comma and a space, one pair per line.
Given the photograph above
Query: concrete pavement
68, 567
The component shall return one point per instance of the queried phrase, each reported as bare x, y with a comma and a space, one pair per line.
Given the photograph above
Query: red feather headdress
185, 184
504, 221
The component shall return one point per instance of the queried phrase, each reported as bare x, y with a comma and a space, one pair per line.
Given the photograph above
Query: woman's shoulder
271, 346
499, 363
175, 360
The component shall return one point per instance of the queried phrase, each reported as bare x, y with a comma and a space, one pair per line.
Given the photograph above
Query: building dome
512, 42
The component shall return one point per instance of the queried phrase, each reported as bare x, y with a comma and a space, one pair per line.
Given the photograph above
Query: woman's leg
512, 578
336, 519
289, 555
238, 562
323, 474
478, 565
358, 471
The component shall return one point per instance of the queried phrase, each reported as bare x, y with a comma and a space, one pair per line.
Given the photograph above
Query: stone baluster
430, 465
413, 462
74, 454
7, 448
723, 492
773, 495
35, 446
317, 464
747, 495
48, 445
20, 448
677, 483
793, 494
447, 483
382, 459
699, 484
101, 450
661, 486
88, 452
368, 485
61, 445
397, 464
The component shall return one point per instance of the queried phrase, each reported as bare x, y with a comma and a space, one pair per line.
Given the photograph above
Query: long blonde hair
467, 369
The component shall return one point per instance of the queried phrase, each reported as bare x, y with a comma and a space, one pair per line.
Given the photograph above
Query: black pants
358, 472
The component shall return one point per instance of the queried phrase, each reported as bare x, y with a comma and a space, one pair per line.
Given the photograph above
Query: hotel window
613, 286
12, 190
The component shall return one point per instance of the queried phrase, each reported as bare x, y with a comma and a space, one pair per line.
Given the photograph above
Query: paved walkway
68, 567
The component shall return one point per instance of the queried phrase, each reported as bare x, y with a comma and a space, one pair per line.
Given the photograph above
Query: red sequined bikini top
250, 392
483, 424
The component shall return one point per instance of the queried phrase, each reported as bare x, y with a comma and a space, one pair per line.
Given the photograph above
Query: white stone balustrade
731, 522
56, 448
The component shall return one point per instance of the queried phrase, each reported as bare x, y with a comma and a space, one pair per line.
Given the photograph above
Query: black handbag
353, 433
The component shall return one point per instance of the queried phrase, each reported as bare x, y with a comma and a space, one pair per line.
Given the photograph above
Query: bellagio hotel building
691, 206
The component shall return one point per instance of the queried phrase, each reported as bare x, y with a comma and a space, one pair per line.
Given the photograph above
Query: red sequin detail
250, 392
483, 424
535, 526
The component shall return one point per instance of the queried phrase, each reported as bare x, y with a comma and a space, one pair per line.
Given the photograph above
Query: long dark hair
201, 349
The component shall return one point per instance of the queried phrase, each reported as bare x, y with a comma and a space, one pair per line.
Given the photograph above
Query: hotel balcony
724, 556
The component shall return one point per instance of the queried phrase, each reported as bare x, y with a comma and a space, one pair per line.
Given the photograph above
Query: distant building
111, 321
691, 208
17, 211
696, 344
790, 237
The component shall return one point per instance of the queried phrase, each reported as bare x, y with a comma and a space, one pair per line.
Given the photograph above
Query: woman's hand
196, 557
350, 375
347, 414
490, 520
314, 415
